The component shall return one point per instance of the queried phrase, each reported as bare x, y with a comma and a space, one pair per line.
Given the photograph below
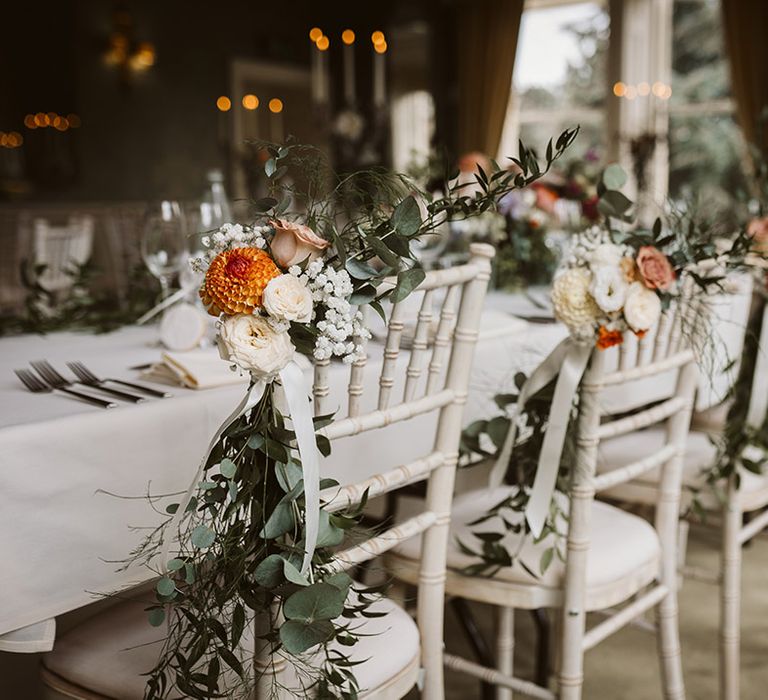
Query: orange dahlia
236, 279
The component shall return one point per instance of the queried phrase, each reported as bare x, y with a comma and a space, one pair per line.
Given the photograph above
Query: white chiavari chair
62, 249
746, 495
613, 558
91, 661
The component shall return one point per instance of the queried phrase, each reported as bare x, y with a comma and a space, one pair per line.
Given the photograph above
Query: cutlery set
46, 379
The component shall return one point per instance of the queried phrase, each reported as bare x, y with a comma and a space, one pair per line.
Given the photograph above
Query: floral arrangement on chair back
617, 278
250, 538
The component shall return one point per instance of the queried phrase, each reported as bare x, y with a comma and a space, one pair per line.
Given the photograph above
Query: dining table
80, 486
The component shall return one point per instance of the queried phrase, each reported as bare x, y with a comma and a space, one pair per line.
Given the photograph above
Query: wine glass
164, 245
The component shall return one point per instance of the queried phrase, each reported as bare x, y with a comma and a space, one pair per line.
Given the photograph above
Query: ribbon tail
571, 372
251, 398
540, 377
301, 415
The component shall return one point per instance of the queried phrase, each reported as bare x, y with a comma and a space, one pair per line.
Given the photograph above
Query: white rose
253, 344
286, 298
606, 254
642, 307
608, 287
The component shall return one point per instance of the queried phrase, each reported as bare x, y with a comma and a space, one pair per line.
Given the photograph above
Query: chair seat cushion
624, 549
700, 453
108, 653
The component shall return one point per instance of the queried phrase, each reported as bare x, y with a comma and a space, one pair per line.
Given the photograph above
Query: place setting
398, 351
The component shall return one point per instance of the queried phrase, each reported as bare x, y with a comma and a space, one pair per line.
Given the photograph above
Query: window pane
699, 68
705, 144
705, 160
561, 57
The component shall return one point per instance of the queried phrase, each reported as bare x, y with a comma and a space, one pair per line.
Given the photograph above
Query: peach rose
758, 231
654, 268
294, 243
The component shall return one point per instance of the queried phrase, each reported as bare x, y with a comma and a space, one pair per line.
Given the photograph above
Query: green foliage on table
80, 308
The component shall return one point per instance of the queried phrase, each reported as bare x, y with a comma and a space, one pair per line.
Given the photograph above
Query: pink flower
758, 231
655, 269
294, 243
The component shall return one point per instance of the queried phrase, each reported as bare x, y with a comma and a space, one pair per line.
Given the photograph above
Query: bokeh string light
12, 139
659, 90
42, 120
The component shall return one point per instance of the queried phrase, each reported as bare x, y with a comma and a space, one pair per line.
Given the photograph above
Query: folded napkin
197, 369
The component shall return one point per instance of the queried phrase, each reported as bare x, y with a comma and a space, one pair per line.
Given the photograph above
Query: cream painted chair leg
669, 647
505, 648
730, 594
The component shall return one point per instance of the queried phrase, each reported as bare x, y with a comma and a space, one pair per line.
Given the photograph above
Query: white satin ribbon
300, 411
567, 362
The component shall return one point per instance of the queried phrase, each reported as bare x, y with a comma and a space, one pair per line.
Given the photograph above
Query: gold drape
487, 42
745, 23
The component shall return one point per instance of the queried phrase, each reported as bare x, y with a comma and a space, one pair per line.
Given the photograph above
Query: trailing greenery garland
241, 539
82, 308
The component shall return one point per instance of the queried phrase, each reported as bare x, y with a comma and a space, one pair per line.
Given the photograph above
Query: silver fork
37, 386
88, 377
57, 381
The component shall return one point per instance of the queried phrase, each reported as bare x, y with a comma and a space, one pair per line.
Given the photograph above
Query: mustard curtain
745, 24
487, 42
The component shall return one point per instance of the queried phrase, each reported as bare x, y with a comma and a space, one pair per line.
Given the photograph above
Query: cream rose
253, 344
286, 298
642, 307
608, 287
572, 300
294, 243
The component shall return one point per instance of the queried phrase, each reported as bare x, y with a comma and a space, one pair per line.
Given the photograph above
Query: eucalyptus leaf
359, 270
227, 468
406, 219
382, 250
297, 636
156, 616
269, 573
407, 281
165, 587
255, 441
329, 535
288, 475
293, 574
203, 537
320, 601
279, 522
175, 564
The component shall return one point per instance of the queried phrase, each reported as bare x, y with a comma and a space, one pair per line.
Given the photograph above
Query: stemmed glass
164, 245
